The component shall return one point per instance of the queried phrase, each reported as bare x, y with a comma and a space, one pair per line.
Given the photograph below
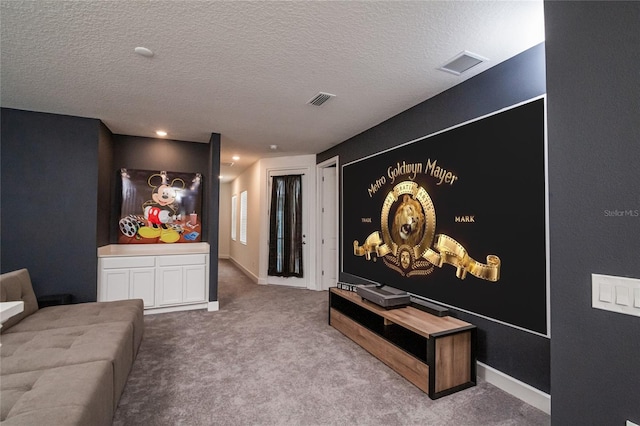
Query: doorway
302, 281
328, 224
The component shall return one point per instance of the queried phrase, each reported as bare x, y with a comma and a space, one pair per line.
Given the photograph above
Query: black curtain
285, 227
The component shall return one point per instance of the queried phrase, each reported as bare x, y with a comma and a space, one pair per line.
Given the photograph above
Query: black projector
385, 296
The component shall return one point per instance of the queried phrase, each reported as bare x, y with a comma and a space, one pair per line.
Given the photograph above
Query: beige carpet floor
269, 357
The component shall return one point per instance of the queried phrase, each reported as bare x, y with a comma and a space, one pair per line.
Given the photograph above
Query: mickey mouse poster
160, 207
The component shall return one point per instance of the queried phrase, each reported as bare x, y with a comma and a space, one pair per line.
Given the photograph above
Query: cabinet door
170, 285
114, 285
194, 283
143, 285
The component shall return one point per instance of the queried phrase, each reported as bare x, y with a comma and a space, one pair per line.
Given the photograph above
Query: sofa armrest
16, 286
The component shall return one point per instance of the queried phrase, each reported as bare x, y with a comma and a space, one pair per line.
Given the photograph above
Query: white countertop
113, 250
9, 309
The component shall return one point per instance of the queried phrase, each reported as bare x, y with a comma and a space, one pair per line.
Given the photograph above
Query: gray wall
50, 201
593, 85
520, 354
105, 167
212, 212
178, 156
59, 202
133, 152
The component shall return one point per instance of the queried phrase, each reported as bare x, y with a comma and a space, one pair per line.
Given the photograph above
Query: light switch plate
622, 295
605, 292
615, 294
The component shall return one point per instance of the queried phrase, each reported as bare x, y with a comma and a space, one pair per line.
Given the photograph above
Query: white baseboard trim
213, 306
515, 387
248, 273
178, 308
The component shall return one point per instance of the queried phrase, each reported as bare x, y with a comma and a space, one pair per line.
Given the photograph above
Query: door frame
287, 165
320, 261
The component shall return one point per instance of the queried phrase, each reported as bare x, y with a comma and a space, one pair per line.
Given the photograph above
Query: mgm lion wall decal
408, 247
408, 222
457, 216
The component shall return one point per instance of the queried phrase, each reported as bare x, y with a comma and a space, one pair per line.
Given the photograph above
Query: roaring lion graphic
408, 223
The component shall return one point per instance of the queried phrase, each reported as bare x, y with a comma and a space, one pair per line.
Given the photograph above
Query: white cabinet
180, 279
193, 276
143, 285
128, 278
167, 282
119, 284
170, 286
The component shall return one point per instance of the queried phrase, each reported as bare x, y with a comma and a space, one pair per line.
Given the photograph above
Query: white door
306, 195
329, 233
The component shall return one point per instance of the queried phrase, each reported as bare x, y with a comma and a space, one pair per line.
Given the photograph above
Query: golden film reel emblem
407, 240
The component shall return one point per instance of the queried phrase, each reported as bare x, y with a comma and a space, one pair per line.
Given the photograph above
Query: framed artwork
160, 207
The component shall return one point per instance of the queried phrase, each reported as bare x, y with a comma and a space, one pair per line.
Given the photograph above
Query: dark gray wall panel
105, 165
49, 201
213, 212
594, 158
136, 152
133, 152
513, 81
176, 156
523, 355
59, 196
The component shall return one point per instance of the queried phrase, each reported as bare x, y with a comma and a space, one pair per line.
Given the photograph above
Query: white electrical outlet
616, 294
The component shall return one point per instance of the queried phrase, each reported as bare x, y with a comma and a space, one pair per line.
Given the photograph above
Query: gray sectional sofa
68, 364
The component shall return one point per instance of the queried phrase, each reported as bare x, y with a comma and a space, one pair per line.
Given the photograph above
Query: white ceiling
246, 69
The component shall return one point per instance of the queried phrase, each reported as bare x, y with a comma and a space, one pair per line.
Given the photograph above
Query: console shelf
437, 354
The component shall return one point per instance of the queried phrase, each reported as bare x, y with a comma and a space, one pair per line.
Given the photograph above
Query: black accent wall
133, 152
105, 167
59, 198
212, 212
520, 354
593, 85
136, 152
49, 201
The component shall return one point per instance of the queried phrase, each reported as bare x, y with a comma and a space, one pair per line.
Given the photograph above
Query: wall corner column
213, 213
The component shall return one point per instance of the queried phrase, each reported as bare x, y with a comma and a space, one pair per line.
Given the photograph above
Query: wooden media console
437, 354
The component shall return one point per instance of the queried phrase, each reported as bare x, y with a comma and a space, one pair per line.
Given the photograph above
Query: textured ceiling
246, 69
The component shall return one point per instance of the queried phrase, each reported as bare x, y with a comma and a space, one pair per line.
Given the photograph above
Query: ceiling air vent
462, 62
226, 164
320, 98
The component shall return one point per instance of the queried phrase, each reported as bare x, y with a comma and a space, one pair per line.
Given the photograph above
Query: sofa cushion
80, 394
39, 350
54, 317
16, 286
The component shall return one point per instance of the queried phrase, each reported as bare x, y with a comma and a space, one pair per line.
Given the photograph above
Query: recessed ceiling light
235, 158
143, 51
274, 147
161, 133
220, 177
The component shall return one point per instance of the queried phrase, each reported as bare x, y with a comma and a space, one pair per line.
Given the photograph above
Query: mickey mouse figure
161, 208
